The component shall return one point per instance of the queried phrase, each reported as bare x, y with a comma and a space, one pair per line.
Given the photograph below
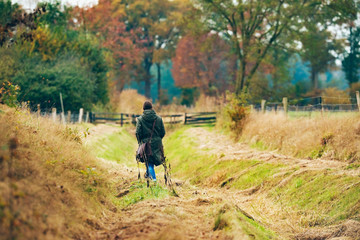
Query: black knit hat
147, 105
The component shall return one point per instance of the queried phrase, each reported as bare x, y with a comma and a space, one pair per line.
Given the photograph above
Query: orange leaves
8, 93
198, 62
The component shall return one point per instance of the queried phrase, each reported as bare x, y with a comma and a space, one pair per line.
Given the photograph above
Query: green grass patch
332, 197
119, 147
353, 166
259, 145
191, 163
139, 191
257, 175
254, 229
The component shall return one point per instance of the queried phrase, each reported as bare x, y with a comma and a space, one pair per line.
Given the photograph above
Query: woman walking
150, 127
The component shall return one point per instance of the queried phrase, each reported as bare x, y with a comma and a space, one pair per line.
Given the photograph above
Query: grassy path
228, 191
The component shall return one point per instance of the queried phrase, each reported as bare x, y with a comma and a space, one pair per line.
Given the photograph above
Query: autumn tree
125, 52
168, 32
204, 62
152, 22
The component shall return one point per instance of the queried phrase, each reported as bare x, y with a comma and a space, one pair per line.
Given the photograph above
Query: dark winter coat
144, 126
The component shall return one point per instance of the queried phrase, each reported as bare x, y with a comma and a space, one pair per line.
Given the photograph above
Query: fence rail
186, 118
200, 118
311, 104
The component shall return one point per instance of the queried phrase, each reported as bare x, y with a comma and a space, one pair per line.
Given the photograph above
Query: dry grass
334, 137
208, 104
203, 104
128, 101
50, 187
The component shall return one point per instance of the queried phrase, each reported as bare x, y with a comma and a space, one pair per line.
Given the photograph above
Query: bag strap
152, 131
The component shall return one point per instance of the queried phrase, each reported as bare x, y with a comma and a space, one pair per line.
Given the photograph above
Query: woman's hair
147, 105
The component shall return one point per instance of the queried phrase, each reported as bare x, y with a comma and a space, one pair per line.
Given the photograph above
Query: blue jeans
151, 169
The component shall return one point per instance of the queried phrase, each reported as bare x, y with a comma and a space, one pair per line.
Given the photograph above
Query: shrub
234, 113
9, 93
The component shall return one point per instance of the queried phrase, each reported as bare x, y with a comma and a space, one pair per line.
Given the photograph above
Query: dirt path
189, 216
185, 217
193, 214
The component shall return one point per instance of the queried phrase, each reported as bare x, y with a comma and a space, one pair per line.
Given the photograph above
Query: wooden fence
310, 104
125, 118
200, 118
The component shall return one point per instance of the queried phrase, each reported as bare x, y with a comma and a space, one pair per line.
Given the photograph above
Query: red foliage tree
204, 62
125, 48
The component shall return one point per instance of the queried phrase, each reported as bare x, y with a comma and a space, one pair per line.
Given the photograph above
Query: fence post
87, 117
122, 120
38, 110
81, 112
133, 119
62, 110
358, 99
185, 119
263, 106
285, 103
63, 121
69, 116
53, 114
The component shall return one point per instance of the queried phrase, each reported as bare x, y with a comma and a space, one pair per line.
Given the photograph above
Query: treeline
47, 52
268, 49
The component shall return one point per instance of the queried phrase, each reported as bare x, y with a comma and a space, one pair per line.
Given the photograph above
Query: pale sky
31, 4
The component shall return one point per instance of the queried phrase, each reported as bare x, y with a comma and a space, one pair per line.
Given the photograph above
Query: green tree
252, 27
351, 62
58, 57
317, 48
41, 82
320, 45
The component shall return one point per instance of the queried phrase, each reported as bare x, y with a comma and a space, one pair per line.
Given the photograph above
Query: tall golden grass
128, 101
50, 187
334, 136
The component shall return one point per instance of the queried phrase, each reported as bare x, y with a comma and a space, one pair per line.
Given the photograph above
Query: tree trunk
147, 79
314, 81
240, 78
148, 87
158, 65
